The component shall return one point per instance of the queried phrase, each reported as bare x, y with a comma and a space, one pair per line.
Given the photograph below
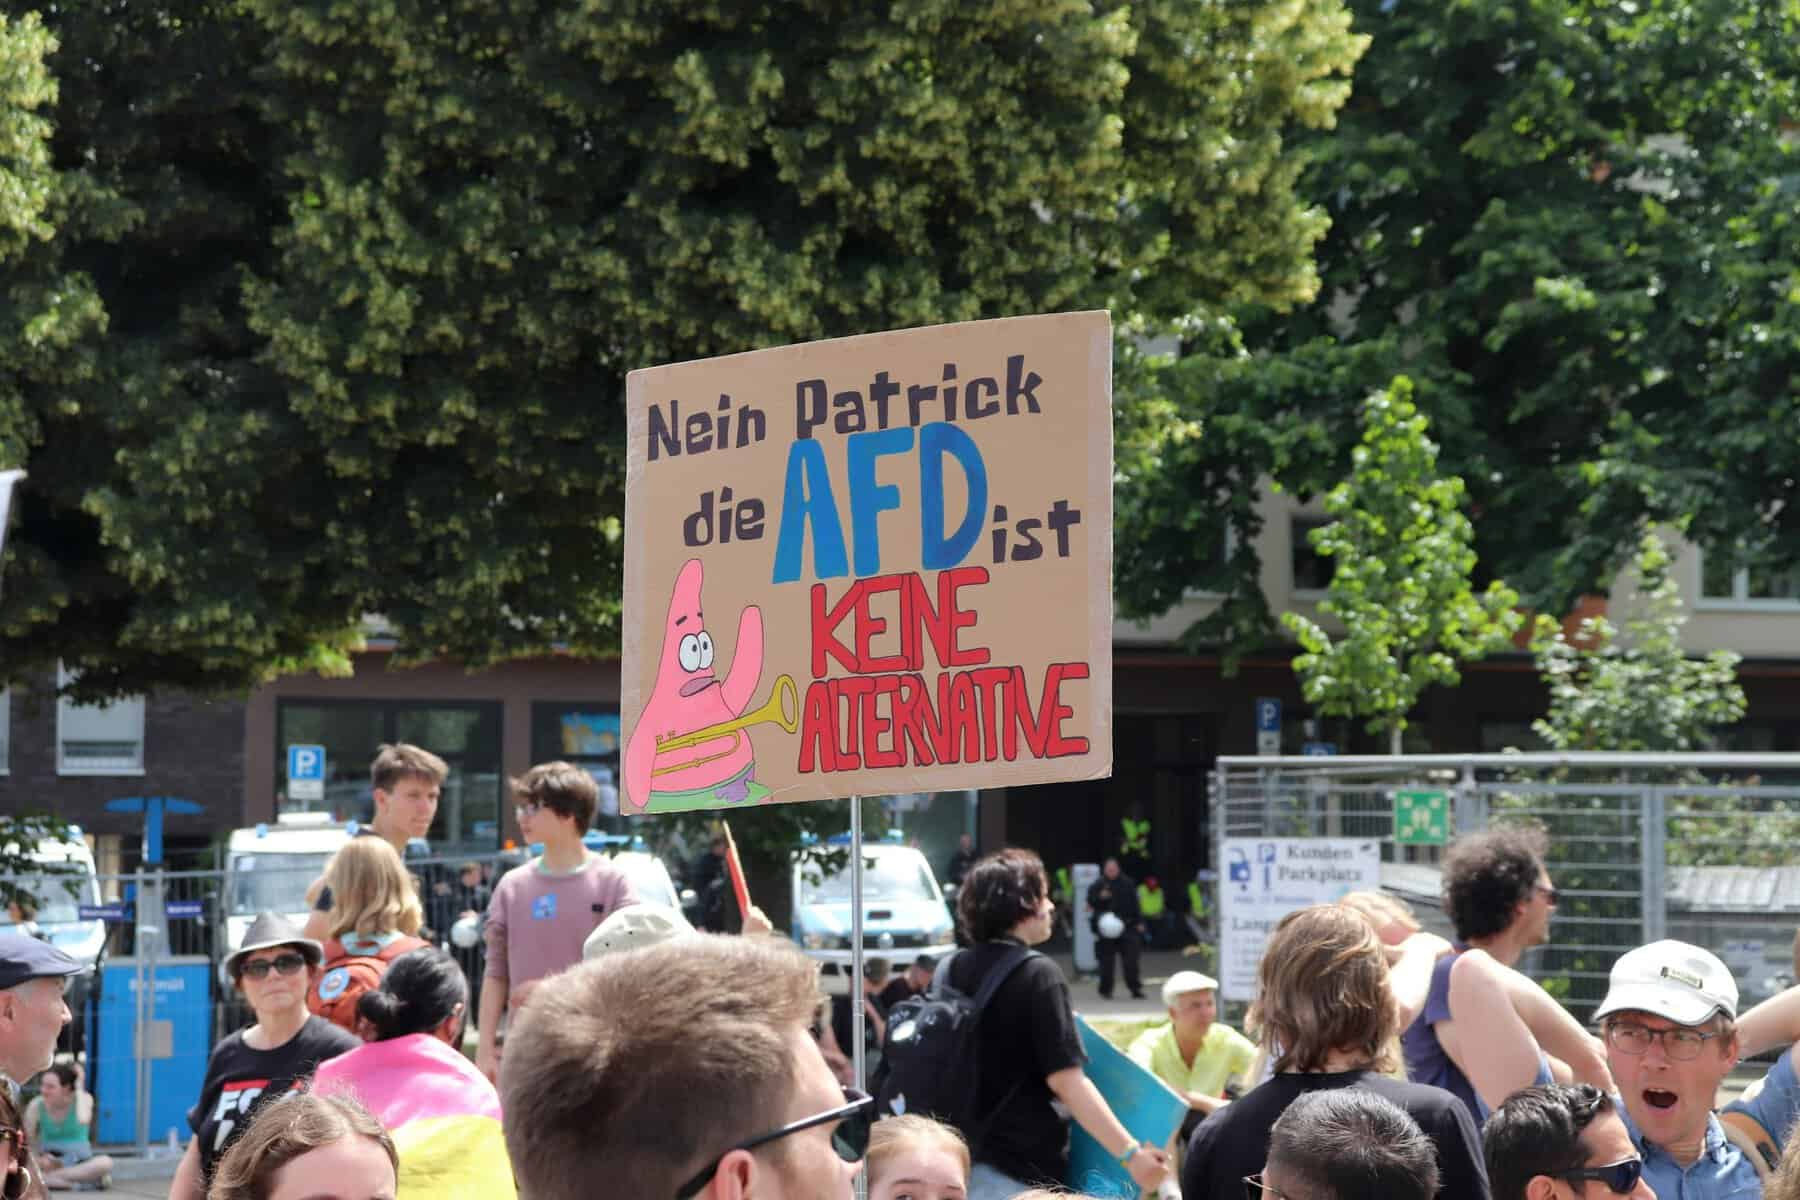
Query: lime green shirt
1223, 1054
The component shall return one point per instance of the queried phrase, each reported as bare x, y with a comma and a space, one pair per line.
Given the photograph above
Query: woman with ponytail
443, 1114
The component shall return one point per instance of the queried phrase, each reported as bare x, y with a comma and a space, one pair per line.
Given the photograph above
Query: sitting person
1552, 1142
305, 1146
60, 1123
1192, 1052
374, 918
443, 1114
1326, 1015
1347, 1144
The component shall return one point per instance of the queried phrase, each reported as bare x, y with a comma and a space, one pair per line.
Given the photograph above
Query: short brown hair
1323, 986
371, 891
394, 763
1487, 875
284, 1130
563, 788
894, 1136
1000, 890
652, 1061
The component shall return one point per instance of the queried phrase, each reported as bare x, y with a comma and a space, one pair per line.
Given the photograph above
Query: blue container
181, 998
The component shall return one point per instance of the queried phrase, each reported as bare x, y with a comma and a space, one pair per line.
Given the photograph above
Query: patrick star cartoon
687, 699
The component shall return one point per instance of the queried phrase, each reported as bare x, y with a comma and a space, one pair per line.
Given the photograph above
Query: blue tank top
1426, 1061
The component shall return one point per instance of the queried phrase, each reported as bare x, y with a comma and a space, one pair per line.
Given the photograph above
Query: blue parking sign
1268, 714
305, 772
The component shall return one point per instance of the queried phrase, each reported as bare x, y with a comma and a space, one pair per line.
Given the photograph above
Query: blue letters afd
807, 500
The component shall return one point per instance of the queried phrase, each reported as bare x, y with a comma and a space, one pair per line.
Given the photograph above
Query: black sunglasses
1620, 1177
850, 1139
282, 964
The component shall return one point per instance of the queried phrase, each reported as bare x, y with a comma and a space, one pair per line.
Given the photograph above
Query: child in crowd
305, 1145
916, 1158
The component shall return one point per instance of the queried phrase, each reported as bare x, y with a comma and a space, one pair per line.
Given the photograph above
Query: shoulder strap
404, 944
1015, 957
1747, 1134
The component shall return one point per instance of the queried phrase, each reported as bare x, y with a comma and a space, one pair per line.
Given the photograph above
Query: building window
98, 739
5, 731
466, 735
1721, 579
1312, 570
584, 733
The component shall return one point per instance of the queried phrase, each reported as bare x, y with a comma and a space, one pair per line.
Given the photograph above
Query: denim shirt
1722, 1172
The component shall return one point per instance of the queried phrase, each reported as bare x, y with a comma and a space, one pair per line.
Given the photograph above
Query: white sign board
1265, 879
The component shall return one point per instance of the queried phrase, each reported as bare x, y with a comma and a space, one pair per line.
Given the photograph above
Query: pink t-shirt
537, 922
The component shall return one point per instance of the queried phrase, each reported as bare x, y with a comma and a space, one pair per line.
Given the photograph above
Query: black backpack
930, 1059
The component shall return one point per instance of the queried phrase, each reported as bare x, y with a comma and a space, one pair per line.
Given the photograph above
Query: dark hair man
1559, 1142
541, 913
1118, 926
1486, 1030
1348, 1144
683, 1069
406, 781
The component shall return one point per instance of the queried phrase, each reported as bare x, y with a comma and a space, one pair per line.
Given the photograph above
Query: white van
67, 882
269, 867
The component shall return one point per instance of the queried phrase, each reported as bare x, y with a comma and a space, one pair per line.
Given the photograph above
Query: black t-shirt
239, 1078
1234, 1141
1027, 1033
896, 991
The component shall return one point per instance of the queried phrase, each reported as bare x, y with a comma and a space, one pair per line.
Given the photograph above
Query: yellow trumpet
782, 707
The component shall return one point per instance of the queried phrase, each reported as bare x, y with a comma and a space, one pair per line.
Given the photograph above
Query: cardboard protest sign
872, 565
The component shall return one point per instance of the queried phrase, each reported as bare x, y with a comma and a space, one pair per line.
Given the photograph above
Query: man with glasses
541, 913
1346, 1144
1670, 1025
1486, 1030
1562, 1142
681, 1070
33, 1012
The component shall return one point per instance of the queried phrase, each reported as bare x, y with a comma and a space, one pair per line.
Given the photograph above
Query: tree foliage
1403, 555
1634, 687
1574, 227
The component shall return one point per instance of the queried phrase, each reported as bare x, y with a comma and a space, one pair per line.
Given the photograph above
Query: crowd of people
622, 1052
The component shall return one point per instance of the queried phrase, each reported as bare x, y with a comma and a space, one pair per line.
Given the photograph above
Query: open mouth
1658, 1098
696, 685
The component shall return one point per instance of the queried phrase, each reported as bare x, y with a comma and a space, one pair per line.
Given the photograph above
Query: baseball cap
635, 926
1671, 980
1183, 982
24, 958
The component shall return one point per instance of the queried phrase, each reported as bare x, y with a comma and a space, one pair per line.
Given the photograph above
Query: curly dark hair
999, 891
1487, 875
1538, 1132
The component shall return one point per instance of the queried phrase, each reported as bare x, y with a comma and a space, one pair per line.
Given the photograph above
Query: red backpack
347, 976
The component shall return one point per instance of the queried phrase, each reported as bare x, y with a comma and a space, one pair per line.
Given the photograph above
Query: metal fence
1700, 847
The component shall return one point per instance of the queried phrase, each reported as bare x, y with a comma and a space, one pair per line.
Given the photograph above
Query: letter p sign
305, 772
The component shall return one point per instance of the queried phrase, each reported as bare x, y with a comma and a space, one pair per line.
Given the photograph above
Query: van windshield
272, 882
58, 897
885, 877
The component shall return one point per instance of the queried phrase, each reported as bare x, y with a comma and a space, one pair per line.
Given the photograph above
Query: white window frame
1740, 599
126, 717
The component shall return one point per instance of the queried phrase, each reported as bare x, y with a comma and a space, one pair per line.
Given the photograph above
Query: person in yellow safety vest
1153, 904
1134, 843
1197, 911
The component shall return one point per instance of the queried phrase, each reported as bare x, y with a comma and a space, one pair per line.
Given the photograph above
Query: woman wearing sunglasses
274, 969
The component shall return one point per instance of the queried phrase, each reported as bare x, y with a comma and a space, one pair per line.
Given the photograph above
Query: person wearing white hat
1669, 1021
1192, 1052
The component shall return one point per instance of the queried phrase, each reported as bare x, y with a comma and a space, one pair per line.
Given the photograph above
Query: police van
268, 868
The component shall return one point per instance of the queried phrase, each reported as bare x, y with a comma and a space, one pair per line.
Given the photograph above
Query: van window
273, 882
885, 877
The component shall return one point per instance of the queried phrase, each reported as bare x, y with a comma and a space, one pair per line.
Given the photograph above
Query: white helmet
466, 932
1111, 926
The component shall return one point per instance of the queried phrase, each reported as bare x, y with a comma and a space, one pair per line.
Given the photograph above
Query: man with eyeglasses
33, 1012
541, 913
1561, 1142
1346, 1144
1486, 1030
681, 1070
1670, 1025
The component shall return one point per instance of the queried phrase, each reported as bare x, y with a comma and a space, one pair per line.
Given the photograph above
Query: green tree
1403, 556
1574, 227
1635, 688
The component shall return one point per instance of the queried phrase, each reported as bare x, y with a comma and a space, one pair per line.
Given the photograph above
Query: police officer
1113, 910
32, 1015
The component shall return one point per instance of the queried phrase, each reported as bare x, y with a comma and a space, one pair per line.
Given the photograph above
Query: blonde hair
1381, 910
371, 891
1323, 986
1786, 1183
284, 1130
895, 1136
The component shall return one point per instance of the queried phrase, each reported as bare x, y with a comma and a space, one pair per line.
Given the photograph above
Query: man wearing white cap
1193, 1053
1669, 1021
